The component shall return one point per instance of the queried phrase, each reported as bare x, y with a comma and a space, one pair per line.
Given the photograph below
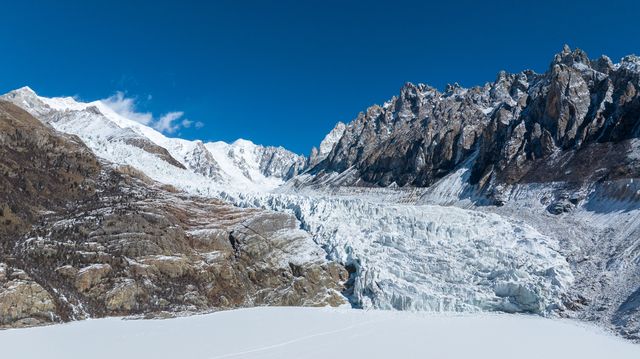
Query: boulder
91, 275
25, 301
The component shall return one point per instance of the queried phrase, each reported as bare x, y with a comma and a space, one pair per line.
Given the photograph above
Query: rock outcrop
582, 111
280, 163
327, 144
23, 302
81, 238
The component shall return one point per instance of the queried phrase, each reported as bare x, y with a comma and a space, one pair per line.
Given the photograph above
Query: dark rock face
505, 128
419, 136
79, 239
579, 108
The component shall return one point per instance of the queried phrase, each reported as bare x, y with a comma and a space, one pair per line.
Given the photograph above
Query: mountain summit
206, 167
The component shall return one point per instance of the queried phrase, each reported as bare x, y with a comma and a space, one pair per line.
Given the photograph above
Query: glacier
429, 257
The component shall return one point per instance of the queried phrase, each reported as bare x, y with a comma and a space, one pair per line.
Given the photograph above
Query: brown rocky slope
80, 238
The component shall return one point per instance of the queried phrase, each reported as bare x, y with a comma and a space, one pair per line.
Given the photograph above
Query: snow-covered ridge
193, 166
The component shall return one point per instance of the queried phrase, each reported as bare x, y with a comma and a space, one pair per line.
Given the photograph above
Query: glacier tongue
430, 258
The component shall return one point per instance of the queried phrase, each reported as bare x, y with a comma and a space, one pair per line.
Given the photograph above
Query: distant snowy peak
201, 161
327, 144
331, 139
194, 166
279, 162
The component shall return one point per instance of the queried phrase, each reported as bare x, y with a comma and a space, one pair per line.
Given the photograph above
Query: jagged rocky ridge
507, 129
80, 238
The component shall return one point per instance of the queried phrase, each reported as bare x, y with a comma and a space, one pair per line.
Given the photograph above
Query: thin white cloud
186, 123
168, 123
126, 107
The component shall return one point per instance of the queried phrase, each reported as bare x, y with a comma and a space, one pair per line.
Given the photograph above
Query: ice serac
557, 151
431, 258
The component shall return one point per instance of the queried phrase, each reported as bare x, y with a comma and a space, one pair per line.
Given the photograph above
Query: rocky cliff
83, 238
509, 131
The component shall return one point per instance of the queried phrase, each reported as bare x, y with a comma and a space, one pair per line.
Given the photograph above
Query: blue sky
284, 72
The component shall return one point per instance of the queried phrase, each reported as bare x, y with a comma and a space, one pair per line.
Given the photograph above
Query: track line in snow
297, 340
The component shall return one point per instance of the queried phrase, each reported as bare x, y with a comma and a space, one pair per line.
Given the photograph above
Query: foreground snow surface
277, 332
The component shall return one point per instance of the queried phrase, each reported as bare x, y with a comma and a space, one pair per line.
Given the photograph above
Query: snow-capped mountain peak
193, 166
328, 143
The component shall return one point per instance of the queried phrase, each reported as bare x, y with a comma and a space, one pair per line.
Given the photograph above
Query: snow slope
282, 333
209, 167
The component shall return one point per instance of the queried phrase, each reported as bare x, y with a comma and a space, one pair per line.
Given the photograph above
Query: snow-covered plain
282, 333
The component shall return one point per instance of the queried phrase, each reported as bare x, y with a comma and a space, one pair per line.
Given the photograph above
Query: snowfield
281, 333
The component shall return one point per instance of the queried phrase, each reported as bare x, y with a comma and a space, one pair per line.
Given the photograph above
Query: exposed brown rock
23, 302
92, 241
91, 275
